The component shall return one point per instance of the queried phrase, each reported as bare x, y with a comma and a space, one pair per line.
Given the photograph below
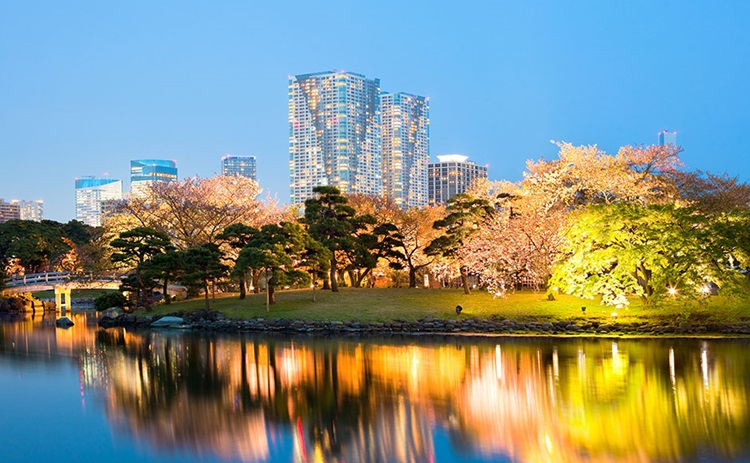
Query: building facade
9, 211
667, 138
241, 166
91, 196
334, 134
405, 123
30, 210
451, 175
145, 171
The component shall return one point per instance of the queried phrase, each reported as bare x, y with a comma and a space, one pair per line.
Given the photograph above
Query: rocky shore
207, 321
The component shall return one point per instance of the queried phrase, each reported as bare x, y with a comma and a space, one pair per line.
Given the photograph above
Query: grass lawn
388, 304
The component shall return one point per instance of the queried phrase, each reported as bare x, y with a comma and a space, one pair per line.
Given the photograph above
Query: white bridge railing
50, 278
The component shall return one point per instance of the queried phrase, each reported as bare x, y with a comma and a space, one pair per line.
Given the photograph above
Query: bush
105, 301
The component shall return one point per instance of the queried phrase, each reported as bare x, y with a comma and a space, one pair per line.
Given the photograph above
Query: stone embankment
217, 322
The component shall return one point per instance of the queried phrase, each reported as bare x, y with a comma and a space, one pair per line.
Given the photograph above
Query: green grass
387, 304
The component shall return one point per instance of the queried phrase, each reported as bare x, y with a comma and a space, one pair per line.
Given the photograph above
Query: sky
86, 86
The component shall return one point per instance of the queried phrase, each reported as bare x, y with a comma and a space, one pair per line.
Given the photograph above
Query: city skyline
88, 87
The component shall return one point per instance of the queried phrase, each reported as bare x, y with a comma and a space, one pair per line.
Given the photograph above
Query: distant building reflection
264, 398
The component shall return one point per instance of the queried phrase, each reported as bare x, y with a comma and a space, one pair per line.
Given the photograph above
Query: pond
86, 394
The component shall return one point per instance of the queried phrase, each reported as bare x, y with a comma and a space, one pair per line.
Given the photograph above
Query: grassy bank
383, 305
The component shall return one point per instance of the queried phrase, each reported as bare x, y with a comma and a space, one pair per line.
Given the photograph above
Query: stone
168, 322
112, 312
64, 322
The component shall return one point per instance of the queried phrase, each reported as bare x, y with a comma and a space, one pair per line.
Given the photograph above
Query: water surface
86, 394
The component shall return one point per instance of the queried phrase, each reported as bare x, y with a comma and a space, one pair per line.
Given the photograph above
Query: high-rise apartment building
9, 211
143, 172
30, 210
405, 122
91, 196
667, 138
241, 166
451, 175
334, 133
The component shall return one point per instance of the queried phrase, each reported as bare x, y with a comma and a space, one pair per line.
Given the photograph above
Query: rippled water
86, 394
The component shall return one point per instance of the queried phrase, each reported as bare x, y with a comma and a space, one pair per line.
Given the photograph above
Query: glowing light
672, 291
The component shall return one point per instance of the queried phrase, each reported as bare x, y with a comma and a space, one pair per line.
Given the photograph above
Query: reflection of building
334, 134
143, 172
667, 138
242, 166
30, 210
9, 211
91, 194
451, 175
406, 147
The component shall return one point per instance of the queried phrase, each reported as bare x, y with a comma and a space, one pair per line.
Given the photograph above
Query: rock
168, 322
64, 322
112, 312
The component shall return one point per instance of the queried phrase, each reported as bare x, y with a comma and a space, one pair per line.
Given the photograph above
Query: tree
166, 267
202, 265
236, 237
331, 221
615, 251
275, 249
195, 211
465, 216
135, 247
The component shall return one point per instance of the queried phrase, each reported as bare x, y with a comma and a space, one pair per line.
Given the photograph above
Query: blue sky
86, 86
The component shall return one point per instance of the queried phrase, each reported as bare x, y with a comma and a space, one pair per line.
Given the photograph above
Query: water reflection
271, 399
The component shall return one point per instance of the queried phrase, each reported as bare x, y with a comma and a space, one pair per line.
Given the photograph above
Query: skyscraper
334, 133
667, 138
30, 210
451, 175
406, 147
91, 194
242, 166
145, 171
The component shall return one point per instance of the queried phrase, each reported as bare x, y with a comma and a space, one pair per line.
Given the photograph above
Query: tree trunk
412, 277
334, 283
465, 279
271, 293
243, 293
362, 276
205, 292
165, 294
256, 282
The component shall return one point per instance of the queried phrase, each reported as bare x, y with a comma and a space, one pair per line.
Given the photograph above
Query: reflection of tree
340, 400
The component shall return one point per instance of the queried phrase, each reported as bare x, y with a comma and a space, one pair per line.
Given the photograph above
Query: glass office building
667, 138
242, 166
145, 171
334, 134
91, 195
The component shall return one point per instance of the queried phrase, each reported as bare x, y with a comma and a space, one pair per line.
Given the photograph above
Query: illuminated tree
615, 251
195, 211
236, 237
466, 216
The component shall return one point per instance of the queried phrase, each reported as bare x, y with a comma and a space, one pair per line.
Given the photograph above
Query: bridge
63, 283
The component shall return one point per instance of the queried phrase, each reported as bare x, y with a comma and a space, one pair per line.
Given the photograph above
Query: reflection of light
498, 362
704, 364
555, 364
671, 367
672, 291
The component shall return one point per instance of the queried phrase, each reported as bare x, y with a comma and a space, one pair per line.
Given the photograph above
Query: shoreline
209, 321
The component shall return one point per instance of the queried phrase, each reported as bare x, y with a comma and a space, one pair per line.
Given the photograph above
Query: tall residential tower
334, 134
406, 147
451, 175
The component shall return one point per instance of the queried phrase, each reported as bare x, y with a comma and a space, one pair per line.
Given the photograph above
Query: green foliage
618, 250
111, 299
202, 265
